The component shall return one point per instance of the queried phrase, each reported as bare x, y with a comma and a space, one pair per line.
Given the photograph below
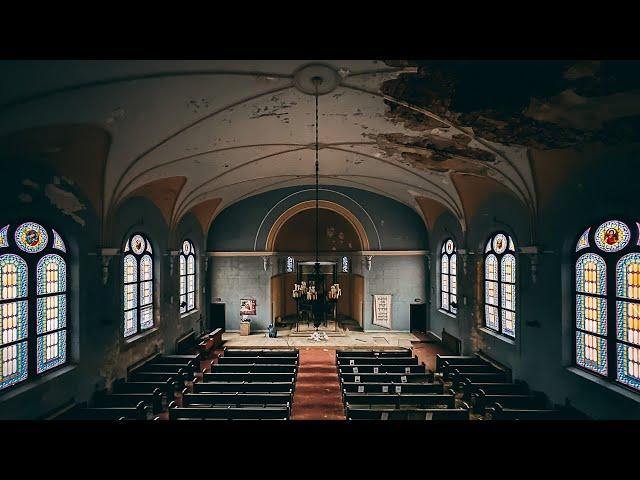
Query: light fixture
319, 301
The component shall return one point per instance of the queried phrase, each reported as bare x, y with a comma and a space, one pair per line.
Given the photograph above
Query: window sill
605, 383
188, 314
448, 314
504, 338
35, 383
140, 336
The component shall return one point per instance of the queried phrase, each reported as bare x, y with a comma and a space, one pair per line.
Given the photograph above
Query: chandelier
304, 291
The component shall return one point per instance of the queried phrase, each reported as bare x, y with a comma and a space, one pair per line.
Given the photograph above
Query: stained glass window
448, 277
608, 280
187, 277
32, 340
500, 284
137, 269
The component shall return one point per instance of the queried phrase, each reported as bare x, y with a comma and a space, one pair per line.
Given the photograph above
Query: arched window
607, 291
500, 284
448, 279
138, 284
33, 302
187, 277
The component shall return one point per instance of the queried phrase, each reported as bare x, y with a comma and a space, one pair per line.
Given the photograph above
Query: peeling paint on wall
65, 201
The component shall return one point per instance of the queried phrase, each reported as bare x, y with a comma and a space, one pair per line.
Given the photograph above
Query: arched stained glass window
33, 340
137, 269
500, 284
448, 277
607, 318
187, 277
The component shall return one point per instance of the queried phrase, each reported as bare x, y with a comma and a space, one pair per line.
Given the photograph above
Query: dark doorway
418, 317
217, 319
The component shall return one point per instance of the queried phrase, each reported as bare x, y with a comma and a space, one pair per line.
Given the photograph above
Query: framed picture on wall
247, 306
382, 310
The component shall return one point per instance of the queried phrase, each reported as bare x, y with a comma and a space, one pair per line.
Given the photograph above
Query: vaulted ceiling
194, 134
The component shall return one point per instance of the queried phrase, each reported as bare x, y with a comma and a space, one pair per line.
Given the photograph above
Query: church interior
332, 240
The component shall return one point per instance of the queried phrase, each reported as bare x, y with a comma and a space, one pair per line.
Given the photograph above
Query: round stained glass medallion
137, 244
499, 243
186, 248
449, 247
31, 237
612, 236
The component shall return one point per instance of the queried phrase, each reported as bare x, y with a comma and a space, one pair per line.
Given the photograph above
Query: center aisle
317, 395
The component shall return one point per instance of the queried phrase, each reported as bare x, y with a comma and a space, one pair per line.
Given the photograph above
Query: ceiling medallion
305, 79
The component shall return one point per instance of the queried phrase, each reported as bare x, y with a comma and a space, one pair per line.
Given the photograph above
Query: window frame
185, 257
499, 282
138, 257
448, 273
31, 261
610, 297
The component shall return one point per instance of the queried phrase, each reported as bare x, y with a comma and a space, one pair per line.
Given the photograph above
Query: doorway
418, 317
217, 319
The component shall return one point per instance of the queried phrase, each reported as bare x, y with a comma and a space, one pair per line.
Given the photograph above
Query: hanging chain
317, 177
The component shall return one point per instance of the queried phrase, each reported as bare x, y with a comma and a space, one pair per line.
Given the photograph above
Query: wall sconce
533, 253
367, 261
266, 263
172, 254
464, 255
106, 254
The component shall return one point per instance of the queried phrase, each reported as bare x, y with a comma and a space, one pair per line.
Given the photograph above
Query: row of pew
242, 385
143, 395
393, 385
492, 394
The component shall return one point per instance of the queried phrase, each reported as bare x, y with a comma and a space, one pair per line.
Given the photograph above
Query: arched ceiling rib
238, 128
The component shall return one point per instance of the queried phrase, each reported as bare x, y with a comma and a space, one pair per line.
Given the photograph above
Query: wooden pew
460, 378
185, 359
139, 412
399, 378
392, 388
229, 413
447, 370
229, 352
351, 361
237, 399
258, 360
156, 377
408, 414
500, 413
516, 388
210, 342
400, 400
167, 387
253, 368
457, 360
181, 370
533, 401
153, 400
380, 353
383, 369
248, 377
242, 387
187, 342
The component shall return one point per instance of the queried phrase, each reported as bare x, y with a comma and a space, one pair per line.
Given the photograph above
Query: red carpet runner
317, 395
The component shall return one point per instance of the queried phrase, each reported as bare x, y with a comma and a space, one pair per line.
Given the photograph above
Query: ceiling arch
233, 129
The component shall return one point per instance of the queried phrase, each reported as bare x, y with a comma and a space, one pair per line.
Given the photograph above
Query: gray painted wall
244, 226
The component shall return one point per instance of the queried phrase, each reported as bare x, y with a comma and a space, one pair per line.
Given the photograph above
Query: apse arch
273, 209
309, 205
